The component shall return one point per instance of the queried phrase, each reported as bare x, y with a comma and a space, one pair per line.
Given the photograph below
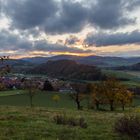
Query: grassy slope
23, 123
134, 78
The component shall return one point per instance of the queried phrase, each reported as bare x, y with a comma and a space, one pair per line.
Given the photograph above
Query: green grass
40, 99
19, 122
43, 99
22, 123
134, 73
11, 92
133, 77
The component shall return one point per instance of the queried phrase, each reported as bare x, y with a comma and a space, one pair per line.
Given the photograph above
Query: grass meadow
18, 121
24, 123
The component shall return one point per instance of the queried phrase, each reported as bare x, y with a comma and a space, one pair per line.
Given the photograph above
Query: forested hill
68, 69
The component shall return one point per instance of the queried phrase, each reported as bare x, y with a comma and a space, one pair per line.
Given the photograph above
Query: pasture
20, 122
24, 123
41, 99
44, 99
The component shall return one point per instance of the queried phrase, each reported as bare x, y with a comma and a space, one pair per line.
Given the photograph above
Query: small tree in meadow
31, 87
124, 97
97, 94
78, 94
56, 98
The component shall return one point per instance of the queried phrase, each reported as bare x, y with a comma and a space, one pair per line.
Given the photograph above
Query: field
132, 76
42, 99
20, 122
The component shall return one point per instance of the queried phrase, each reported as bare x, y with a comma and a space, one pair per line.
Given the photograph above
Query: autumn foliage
110, 92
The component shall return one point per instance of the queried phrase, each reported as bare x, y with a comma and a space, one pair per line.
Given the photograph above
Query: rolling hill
18, 65
68, 69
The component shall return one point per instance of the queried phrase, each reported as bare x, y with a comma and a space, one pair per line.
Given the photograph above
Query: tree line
110, 92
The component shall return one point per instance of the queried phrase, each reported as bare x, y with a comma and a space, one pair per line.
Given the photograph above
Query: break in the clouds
13, 42
115, 22
109, 39
71, 40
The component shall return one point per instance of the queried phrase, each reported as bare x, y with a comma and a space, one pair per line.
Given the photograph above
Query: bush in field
71, 121
2, 87
68, 134
128, 126
56, 98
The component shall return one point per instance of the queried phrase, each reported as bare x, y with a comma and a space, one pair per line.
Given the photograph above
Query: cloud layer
11, 42
66, 17
109, 39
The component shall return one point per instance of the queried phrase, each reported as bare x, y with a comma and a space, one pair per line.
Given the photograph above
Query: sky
30, 28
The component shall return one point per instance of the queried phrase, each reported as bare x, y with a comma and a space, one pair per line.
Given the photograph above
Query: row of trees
110, 92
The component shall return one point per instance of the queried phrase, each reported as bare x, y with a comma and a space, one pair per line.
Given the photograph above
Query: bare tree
31, 87
78, 94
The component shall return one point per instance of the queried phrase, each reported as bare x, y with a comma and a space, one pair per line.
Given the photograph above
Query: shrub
59, 119
71, 121
67, 134
56, 98
82, 123
128, 126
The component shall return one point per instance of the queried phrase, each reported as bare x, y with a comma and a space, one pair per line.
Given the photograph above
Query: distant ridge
135, 67
101, 61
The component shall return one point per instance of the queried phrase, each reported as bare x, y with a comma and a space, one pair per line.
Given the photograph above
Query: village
14, 82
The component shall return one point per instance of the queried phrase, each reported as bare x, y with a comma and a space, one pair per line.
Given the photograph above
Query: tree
48, 86
124, 96
97, 94
4, 69
111, 86
110, 92
78, 94
116, 93
31, 87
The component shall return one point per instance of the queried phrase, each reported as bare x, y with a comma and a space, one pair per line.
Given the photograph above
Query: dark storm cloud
67, 16
108, 39
72, 18
13, 42
108, 14
27, 14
